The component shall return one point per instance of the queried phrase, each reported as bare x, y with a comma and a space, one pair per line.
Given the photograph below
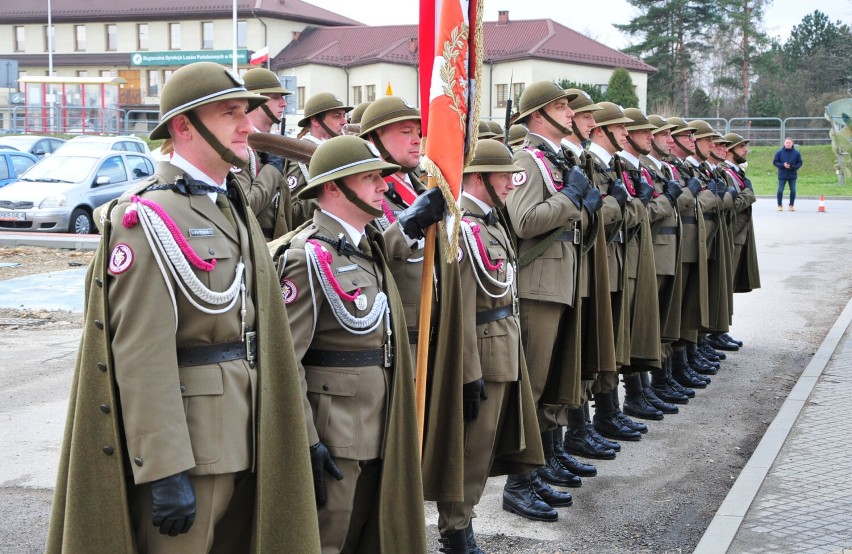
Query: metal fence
771, 131
76, 120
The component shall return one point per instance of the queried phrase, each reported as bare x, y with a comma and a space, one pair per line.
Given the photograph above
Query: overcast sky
593, 18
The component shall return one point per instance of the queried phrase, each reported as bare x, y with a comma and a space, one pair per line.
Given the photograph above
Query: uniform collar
556, 148
486, 209
182, 163
657, 163
354, 234
575, 148
625, 155
599, 151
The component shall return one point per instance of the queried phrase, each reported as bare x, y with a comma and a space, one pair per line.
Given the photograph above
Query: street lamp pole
49, 40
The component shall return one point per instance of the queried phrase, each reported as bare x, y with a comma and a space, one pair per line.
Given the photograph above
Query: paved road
658, 495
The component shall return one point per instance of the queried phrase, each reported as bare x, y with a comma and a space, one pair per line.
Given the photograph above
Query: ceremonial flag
260, 56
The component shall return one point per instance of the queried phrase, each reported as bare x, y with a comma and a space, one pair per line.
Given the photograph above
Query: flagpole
424, 326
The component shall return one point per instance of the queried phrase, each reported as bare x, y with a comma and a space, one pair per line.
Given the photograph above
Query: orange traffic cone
821, 207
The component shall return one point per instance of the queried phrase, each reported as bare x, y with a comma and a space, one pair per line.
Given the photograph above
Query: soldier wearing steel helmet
496, 380
598, 353
185, 453
392, 124
357, 374
546, 213
746, 270
263, 181
324, 117
517, 136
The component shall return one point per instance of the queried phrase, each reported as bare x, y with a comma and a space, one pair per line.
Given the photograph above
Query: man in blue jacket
788, 160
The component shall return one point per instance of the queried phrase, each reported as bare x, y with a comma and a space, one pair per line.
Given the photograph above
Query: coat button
108, 450
211, 251
486, 332
105, 408
99, 282
138, 461
325, 388
99, 324
182, 387
102, 366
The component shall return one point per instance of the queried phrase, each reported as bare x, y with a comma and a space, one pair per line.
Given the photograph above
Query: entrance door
131, 93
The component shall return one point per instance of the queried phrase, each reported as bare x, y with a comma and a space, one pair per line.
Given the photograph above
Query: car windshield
66, 169
20, 143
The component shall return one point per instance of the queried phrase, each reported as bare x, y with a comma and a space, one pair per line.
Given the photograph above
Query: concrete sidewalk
795, 492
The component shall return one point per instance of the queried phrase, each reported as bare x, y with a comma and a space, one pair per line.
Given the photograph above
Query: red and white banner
259, 57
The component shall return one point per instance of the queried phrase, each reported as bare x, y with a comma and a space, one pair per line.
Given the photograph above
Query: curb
729, 517
51, 240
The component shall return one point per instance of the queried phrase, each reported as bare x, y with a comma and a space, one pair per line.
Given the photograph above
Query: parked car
60, 192
92, 143
36, 145
13, 164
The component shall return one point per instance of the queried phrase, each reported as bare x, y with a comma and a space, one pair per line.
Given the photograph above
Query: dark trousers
781, 183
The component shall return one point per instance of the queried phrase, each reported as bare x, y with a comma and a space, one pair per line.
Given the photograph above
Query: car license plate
13, 216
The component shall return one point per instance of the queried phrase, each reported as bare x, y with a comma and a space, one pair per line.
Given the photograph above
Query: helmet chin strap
269, 114
352, 197
635, 146
561, 128
608, 134
225, 153
321, 121
716, 157
486, 180
386, 156
658, 150
683, 146
737, 158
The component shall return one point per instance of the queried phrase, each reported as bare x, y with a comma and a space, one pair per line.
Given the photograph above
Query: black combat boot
519, 497
661, 387
717, 341
570, 462
578, 441
730, 339
682, 373
697, 362
635, 403
626, 421
686, 391
472, 547
553, 498
606, 420
597, 437
553, 472
707, 351
652, 398
453, 542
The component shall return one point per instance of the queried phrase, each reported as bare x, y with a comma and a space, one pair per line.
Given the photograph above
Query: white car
59, 193
92, 143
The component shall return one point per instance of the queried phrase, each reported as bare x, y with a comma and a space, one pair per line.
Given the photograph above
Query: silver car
60, 192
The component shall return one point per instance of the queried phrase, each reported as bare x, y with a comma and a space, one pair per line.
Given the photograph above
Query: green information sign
178, 57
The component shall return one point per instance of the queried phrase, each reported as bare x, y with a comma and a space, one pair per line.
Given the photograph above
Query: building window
82, 73
153, 82
242, 34
111, 36
167, 73
141, 36
517, 89
174, 36
300, 98
356, 95
107, 73
207, 35
80, 38
371, 93
49, 38
20, 45
500, 92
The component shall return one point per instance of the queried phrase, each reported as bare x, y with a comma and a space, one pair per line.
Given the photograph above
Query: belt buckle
251, 347
516, 306
388, 350
620, 237
576, 235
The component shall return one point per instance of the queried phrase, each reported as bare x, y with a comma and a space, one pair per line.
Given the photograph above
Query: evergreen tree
593, 91
620, 89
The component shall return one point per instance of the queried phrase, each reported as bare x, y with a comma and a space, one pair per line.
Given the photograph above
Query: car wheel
81, 223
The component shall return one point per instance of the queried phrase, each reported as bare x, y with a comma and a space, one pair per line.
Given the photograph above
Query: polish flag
260, 56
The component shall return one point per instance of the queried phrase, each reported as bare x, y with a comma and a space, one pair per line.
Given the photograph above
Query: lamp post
50, 41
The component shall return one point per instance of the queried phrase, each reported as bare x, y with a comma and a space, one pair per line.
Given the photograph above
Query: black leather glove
576, 185
618, 191
748, 184
321, 461
272, 159
592, 201
718, 187
473, 394
694, 186
173, 504
645, 192
733, 192
672, 190
427, 209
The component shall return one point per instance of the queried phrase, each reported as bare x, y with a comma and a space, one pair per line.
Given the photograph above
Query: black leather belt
349, 358
710, 217
570, 236
487, 316
413, 336
689, 220
218, 353
667, 231
268, 233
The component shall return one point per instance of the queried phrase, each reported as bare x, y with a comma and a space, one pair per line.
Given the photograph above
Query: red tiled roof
35, 11
517, 40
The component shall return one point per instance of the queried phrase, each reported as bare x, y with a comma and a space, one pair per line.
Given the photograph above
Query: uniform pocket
202, 388
208, 248
493, 347
331, 393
